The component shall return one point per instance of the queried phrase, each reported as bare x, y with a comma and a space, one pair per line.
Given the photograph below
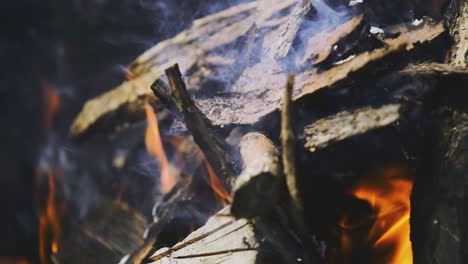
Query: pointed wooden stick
289, 159
200, 127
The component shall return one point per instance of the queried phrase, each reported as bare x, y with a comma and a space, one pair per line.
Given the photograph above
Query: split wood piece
257, 189
435, 69
200, 127
106, 234
288, 31
224, 239
346, 124
203, 39
288, 148
221, 240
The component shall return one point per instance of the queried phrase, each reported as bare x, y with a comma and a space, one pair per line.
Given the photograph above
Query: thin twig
288, 148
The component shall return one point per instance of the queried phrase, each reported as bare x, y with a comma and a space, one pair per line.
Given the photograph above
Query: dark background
77, 47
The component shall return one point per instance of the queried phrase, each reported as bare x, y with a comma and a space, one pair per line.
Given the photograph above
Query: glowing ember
221, 194
388, 194
156, 150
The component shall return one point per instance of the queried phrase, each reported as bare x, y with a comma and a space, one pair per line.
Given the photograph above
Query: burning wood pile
329, 134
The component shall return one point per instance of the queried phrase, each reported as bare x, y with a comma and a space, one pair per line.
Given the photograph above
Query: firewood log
346, 124
257, 189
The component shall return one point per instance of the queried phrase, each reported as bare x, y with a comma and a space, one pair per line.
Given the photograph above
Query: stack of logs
237, 64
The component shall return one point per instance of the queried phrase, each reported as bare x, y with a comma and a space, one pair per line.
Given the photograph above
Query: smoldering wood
191, 49
199, 41
110, 231
257, 188
346, 124
214, 148
288, 31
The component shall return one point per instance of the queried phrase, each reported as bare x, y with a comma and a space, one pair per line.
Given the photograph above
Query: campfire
283, 131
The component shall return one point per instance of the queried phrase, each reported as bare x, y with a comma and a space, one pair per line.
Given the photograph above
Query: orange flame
52, 104
50, 230
389, 197
218, 188
156, 150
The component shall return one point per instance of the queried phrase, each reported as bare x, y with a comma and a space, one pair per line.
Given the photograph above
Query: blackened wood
256, 190
214, 148
346, 124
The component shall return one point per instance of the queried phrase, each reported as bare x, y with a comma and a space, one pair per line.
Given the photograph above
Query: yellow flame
389, 196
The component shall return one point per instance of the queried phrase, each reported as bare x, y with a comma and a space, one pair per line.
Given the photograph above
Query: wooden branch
435, 69
346, 124
288, 31
288, 156
200, 127
256, 189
